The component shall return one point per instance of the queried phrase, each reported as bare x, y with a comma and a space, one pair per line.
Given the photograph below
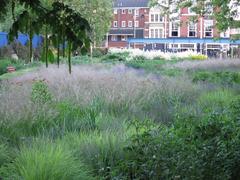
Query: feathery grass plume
44, 160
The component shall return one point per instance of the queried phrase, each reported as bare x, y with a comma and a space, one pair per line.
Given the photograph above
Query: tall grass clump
216, 100
44, 161
5, 154
100, 151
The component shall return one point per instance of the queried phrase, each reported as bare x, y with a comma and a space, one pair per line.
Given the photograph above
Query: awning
121, 32
183, 40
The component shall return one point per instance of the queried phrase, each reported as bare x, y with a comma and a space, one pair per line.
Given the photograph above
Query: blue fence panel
22, 38
3, 39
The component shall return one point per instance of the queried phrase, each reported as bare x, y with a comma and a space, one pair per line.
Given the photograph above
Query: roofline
147, 7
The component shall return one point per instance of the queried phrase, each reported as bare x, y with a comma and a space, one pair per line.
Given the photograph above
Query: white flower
154, 54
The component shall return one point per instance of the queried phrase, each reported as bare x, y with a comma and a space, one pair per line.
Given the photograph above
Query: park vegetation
118, 115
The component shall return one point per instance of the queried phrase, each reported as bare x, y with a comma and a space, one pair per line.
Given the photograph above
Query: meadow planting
145, 119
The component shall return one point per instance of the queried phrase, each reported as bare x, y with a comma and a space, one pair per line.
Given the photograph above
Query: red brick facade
144, 22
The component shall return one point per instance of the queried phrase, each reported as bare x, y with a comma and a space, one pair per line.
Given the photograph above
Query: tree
76, 28
98, 13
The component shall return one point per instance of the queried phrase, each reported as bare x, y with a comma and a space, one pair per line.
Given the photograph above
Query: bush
193, 148
198, 57
114, 57
101, 152
73, 118
3, 66
5, 155
45, 161
99, 52
216, 100
226, 78
40, 93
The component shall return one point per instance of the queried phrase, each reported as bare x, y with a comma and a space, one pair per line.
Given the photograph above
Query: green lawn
18, 73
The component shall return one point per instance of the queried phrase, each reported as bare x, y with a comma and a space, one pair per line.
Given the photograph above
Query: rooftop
130, 3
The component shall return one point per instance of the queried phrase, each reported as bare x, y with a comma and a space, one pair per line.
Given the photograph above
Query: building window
129, 11
175, 29
161, 18
123, 38
156, 33
151, 33
160, 33
123, 11
192, 29
115, 11
129, 23
156, 17
114, 38
152, 17
208, 28
136, 23
123, 23
115, 24
186, 47
136, 12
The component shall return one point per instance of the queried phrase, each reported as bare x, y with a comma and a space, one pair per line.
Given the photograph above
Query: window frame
136, 24
123, 24
130, 23
115, 23
130, 11
191, 30
174, 29
113, 38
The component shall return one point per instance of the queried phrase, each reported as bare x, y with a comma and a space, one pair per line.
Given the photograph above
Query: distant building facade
137, 25
129, 22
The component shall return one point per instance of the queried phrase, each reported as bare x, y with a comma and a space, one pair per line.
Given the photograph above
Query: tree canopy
98, 13
226, 12
64, 23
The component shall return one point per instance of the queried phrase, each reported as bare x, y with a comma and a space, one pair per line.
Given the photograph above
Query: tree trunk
30, 40
46, 45
69, 57
63, 42
58, 50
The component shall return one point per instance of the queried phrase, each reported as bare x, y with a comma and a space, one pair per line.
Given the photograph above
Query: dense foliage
61, 24
118, 122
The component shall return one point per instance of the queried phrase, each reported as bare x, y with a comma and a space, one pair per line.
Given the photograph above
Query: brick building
137, 25
129, 21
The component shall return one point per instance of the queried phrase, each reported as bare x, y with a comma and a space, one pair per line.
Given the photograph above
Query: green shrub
40, 93
5, 155
72, 117
139, 58
216, 100
227, 78
99, 151
198, 57
115, 57
44, 161
3, 66
98, 52
190, 149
